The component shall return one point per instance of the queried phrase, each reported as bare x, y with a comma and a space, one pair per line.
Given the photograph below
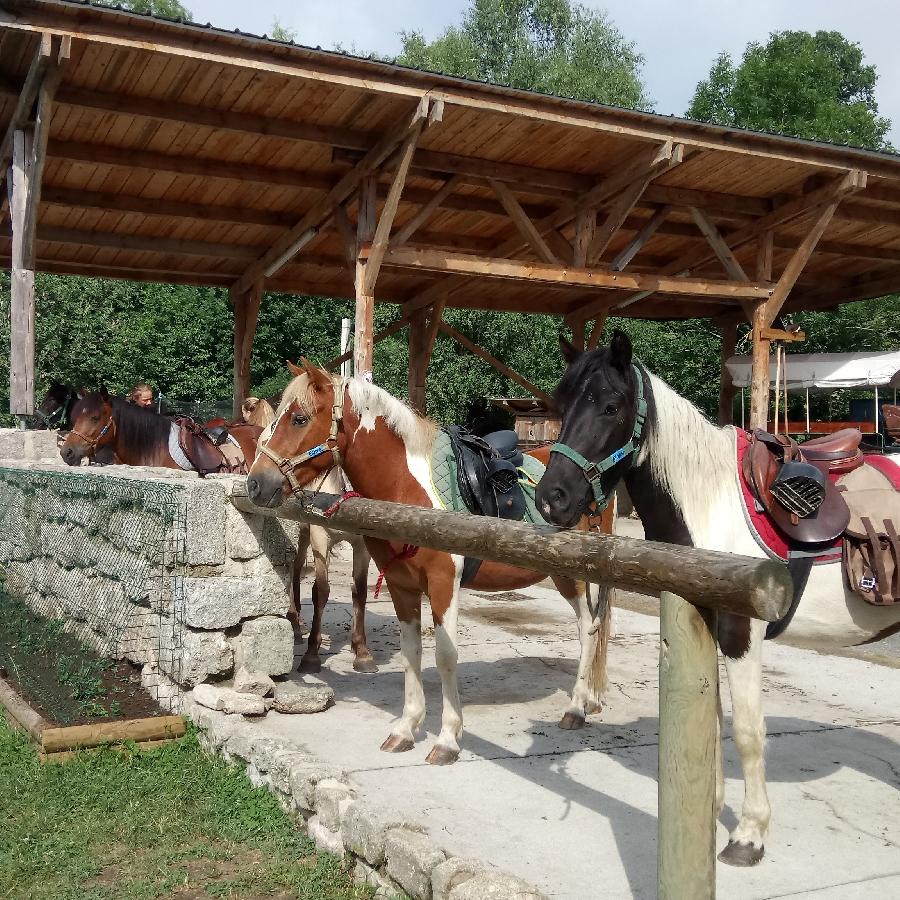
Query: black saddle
488, 477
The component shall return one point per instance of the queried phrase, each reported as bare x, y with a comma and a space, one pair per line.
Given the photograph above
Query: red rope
408, 552
347, 495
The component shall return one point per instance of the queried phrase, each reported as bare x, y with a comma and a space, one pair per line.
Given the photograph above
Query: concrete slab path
575, 812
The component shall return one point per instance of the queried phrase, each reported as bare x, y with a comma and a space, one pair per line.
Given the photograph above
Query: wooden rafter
634, 246
267, 264
615, 218
524, 225
726, 257
426, 211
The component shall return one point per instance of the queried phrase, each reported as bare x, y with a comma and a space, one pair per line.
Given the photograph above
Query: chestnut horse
385, 448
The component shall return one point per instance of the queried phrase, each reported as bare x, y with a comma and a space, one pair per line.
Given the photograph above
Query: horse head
601, 401
54, 409
304, 440
92, 427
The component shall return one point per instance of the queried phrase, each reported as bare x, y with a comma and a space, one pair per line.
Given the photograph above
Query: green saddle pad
444, 479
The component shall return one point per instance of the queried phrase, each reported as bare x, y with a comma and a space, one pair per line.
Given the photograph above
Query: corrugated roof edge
724, 130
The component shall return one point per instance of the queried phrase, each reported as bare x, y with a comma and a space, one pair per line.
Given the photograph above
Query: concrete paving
575, 812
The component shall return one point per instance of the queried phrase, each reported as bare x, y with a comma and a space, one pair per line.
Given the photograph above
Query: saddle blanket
764, 531
445, 480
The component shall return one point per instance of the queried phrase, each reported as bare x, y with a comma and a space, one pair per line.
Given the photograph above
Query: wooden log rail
743, 585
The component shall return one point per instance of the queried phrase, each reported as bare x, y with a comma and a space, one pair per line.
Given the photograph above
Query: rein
593, 472
288, 465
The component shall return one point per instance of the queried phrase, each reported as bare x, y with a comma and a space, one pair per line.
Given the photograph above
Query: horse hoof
441, 756
365, 664
572, 721
397, 744
738, 853
310, 665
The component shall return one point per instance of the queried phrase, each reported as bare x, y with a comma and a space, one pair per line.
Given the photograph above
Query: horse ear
103, 393
318, 377
294, 370
569, 351
620, 350
80, 392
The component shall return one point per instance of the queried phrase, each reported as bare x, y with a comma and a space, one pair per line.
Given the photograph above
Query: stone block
221, 601
244, 535
305, 775
265, 645
453, 872
332, 799
364, 828
190, 657
411, 858
253, 683
205, 537
324, 838
385, 888
228, 700
291, 697
494, 886
280, 538
280, 767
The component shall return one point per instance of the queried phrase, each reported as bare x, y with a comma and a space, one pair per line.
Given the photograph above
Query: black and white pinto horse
681, 472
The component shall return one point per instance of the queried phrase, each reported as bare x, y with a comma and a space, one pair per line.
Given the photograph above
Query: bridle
288, 465
59, 415
93, 443
593, 472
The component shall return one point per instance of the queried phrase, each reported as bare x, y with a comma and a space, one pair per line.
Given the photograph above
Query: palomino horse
385, 449
682, 475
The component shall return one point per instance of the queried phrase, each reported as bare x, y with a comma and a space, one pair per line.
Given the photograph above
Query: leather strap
93, 444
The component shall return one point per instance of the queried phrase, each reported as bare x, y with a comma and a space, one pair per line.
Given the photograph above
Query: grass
168, 823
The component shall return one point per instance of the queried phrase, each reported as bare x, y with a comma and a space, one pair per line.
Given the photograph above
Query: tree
167, 9
553, 46
813, 86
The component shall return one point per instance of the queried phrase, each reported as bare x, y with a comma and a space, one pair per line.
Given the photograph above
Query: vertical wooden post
423, 331
759, 364
585, 229
727, 390
596, 332
363, 348
688, 684
246, 315
21, 356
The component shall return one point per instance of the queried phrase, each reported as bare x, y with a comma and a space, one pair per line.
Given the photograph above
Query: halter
92, 444
61, 412
593, 472
288, 465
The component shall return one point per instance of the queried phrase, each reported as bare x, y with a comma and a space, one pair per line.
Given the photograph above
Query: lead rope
407, 552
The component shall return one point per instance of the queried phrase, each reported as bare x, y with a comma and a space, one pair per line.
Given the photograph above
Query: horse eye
299, 420
611, 409
95, 418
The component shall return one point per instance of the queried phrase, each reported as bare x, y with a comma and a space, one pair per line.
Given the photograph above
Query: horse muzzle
557, 504
266, 489
71, 456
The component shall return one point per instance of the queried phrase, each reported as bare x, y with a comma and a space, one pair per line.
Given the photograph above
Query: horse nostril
558, 495
253, 487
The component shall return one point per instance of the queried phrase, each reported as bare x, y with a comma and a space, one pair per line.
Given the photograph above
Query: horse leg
446, 749
321, 548
408, 606
362, 657
720, 764
746, 844
591, 681
293, 613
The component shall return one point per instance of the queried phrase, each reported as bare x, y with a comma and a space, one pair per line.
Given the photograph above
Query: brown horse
137, 436
385, 449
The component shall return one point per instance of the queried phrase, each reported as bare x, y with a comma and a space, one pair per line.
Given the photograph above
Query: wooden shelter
140, 148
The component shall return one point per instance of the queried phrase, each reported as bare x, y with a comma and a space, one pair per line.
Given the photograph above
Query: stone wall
150, 565
30, 445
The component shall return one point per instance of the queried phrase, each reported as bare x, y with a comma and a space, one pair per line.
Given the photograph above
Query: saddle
212, 450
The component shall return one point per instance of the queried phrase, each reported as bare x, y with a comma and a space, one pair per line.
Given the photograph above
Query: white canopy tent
827, 371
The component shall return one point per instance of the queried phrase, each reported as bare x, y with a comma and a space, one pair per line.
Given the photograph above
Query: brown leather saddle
833, 455
208, 452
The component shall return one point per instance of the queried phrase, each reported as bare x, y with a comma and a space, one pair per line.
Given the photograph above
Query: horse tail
597, 679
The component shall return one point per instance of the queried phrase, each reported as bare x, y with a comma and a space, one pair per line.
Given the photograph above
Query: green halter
594, 471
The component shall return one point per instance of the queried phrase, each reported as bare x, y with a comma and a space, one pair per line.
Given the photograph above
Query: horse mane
139, 428
688, 455
371, 402
262, 413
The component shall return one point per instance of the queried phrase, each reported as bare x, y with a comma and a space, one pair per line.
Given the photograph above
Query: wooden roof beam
280, 253
723, 252
523, 223
615, 218
634, 246
426, 211
542, 273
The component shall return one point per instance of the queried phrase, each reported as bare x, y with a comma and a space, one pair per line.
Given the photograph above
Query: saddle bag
871, 547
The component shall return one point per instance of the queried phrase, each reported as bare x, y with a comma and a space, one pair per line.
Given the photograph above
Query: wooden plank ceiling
179, 153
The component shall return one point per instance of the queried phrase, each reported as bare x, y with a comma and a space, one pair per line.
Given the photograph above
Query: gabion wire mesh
99, 559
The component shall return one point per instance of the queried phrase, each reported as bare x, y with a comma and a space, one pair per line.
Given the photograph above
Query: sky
679, 41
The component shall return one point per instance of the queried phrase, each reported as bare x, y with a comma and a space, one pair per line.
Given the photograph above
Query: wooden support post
21, 355
423, 331
246, 315
727, 390
759, 361
585, 229
688, 685
596, 332
577, 326
363, 345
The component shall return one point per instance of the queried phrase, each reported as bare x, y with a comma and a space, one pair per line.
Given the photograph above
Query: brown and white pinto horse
682, 475
385, 449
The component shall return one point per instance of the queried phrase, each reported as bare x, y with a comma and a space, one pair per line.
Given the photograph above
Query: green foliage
807, 85
167, 823
168, 9
553, 46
